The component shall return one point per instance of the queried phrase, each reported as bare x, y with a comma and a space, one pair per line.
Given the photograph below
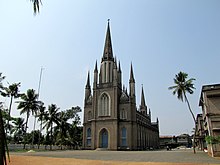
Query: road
174, 156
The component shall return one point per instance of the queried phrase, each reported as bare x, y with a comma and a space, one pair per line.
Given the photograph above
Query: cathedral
112, 120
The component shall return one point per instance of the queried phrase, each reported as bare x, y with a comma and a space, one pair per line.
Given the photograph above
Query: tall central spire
108, 54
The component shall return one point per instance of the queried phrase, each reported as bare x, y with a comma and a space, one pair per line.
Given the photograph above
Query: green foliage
36, 5
182, 85
3, 141
18, 130
212, 139
11, 91
1, 85
29, 104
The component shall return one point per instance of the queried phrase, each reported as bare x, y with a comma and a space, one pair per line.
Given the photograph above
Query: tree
61, 131
28, 105
13, 92
41, 116
36, 5
36, 137
5, 118
18, 129
181, 88
51, 118
3, 142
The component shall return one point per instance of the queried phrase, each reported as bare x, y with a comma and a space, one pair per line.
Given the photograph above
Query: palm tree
13, 92
41, 115
36, 5
3, 142
19, 129
75, 134
62, 129
181, 88
51, 118
1, 85
29, 104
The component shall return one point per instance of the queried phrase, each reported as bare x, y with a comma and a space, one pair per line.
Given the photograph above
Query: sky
159, 37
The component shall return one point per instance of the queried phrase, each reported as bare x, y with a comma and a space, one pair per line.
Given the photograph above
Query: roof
208, 88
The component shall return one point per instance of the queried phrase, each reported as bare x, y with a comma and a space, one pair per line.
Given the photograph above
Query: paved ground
175, 156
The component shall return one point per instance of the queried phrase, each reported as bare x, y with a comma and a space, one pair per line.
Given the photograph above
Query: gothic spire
96, 68
88, 82
108, 54
142, 98
132, 85
119, 67
115, 62
132, 75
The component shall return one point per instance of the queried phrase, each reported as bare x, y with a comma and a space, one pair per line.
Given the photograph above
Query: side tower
101, 108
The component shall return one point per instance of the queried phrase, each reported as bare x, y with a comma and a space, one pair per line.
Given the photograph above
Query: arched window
104, 109
124, 137
89, 137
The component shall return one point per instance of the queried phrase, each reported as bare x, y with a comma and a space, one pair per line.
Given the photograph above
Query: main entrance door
104, 138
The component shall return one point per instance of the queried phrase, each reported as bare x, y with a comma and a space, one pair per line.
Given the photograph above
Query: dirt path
37, 160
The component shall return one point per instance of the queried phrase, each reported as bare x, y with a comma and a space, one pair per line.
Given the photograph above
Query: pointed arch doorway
103, 136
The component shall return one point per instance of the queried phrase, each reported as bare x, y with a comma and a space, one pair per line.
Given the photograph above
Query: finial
108, 20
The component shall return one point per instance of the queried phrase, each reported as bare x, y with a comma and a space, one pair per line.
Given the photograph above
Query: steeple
119, 73
108, 54
143, 107
88, 89
142, 98
95, 76
107, 64
96, 68
131, 75
88, 82
119, 67
132, 85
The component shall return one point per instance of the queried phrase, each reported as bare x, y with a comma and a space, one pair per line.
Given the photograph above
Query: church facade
111, 119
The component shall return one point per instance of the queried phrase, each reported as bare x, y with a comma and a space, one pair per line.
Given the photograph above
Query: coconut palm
41, 115
51, 118
1, 85
75, 134
18, 129
61, 131
29, 104
36, 5
3, 142
181, 88
11, 91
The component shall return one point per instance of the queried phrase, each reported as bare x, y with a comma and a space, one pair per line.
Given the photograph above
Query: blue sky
159, 37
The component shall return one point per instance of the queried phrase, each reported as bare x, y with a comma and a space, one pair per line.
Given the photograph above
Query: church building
111, 118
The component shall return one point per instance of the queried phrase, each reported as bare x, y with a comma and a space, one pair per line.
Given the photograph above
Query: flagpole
39, 85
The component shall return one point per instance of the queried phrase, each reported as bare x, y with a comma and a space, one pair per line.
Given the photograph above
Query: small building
210, 103
184, 140
168, 141
111, 118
